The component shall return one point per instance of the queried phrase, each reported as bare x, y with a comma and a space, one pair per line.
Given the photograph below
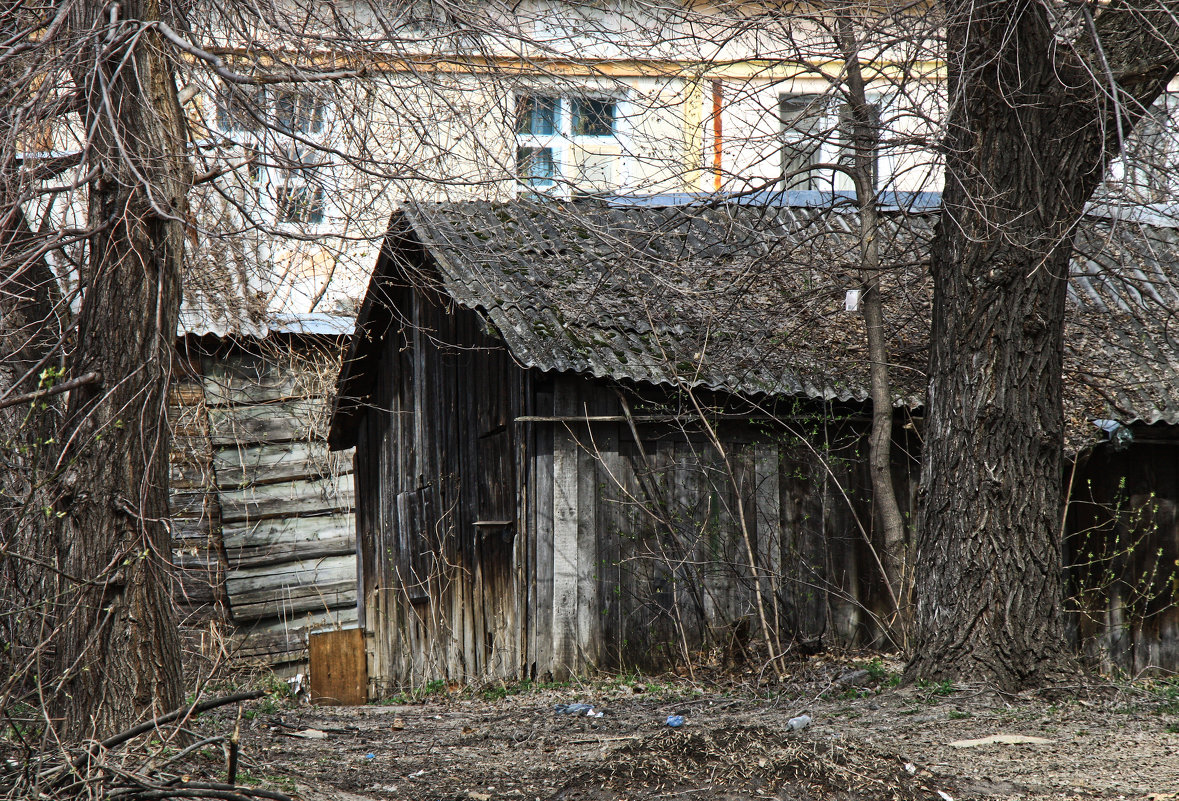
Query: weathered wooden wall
502, 538
1123, 540
651, 537
270, 507
504, 535
196, 513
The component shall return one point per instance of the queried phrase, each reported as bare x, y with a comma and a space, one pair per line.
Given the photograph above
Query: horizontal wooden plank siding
283, 461
284, 421
283, 524
196, 514
301, 497
287, 530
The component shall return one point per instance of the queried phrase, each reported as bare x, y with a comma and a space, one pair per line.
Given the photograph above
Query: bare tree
1042, 96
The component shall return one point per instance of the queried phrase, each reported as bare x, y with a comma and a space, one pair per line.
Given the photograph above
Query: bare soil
868, 740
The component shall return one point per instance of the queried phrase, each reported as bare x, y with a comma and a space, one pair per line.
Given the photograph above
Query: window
298, 112
536, 115
276, 130
534, 166
300, 204
847, 144
802, 126
593, 117
817, 131
241, 109
567, 145
426, 17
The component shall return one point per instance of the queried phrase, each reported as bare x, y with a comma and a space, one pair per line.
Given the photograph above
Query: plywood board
339, 673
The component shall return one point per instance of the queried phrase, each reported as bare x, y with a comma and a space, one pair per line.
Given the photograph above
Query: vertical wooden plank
612, 527
338, 671
844, 543
670, 604
517, 619
565, 550
588, 482
542, 604
769, 533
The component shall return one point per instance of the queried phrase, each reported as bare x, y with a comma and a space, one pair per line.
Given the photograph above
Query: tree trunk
30, 336
1029, 138
119, 657
865, 138
27, 340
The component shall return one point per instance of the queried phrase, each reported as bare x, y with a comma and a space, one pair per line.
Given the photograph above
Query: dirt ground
868, 739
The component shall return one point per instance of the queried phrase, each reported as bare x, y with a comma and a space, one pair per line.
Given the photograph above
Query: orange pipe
717, 137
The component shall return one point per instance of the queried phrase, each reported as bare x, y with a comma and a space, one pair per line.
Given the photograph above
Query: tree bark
119, 656
30, 335
1030, 134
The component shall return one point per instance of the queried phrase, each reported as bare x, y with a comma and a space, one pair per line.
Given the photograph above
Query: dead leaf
1001, 739
398, 724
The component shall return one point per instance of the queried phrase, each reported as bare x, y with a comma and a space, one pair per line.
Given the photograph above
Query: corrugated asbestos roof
215, 322
750, 299
1122, 337
740, 298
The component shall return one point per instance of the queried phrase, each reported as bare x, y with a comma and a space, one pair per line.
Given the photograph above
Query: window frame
811, 135
283, 160
832, 146
564, 140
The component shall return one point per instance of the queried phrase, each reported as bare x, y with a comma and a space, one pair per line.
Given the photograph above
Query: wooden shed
584, 437
262, 522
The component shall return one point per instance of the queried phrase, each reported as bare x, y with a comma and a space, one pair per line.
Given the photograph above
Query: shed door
495, 530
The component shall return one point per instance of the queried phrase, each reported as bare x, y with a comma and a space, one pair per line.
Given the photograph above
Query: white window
818, 130
567, 145
278, 130
802, 119
846, 145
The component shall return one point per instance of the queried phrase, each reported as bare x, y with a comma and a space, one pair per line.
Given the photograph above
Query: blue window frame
534, 166
536, 115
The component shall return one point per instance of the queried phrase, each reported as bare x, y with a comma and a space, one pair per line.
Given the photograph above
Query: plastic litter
675, 721
577, 710
799, 723
1119, 435
370, 756
297, 683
